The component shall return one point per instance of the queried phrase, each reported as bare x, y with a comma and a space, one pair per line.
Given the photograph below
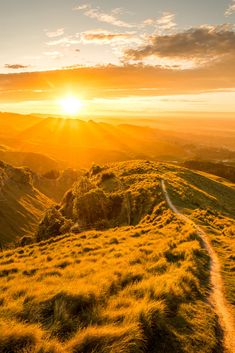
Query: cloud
65, 41
231, 9
149, 22
81, 7
16, 66
119, 81
104, 37
59, 32
165, 23
101, 16
203, 43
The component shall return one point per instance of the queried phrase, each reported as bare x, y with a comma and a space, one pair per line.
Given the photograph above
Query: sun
71, 105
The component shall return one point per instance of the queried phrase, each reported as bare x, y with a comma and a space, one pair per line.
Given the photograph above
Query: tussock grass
211, 203
108, 339
141, 287
100, 302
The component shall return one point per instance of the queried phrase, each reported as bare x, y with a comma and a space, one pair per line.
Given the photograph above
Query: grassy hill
129, 289
219, 169
55, 183
210, 201
21, 205
116, 271
37, 162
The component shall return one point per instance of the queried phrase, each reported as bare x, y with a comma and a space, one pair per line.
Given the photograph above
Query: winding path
217, 295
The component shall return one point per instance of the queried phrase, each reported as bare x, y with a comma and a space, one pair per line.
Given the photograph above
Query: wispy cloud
102, 36
231, 9
111, 18
16, 66
81, 7
165, 23
65, 41
57, 33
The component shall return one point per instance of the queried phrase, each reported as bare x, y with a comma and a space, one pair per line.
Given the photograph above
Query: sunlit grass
140, 284
109, 291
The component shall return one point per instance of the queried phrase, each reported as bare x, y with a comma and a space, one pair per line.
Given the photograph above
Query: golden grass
210, 201
128, 289
135, 288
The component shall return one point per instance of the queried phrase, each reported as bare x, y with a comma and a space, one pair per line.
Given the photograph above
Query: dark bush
52, 174
26, 240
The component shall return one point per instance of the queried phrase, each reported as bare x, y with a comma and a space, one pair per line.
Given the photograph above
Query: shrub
107, 176
51, 224
91, 207
95, 169
26, 240
52, 174
76, 228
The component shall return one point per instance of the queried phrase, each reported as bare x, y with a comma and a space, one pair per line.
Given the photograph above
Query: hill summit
122, 194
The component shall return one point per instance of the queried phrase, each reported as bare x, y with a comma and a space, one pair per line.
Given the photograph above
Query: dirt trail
217, 295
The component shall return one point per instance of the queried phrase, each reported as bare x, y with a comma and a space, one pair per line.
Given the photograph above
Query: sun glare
71, 105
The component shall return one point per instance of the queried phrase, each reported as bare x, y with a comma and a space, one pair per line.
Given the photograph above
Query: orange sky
130, 89
118, 58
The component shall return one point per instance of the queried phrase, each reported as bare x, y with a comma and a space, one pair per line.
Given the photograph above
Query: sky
162, 55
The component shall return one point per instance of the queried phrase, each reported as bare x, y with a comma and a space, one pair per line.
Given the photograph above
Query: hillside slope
89, 141
219, 169
217, 298
37, 162
136, 289
22, 205
122, 193
11, 123
55, 183
211, 204
116, 271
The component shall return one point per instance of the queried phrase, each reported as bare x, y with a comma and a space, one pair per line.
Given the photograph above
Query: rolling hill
37, 162
90, 141
12, 124
107, 194
75, 143
115, 270
219, 169
22, 205
55, 183
25, 195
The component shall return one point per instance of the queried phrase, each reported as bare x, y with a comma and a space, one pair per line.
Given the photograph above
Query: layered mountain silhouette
60, 143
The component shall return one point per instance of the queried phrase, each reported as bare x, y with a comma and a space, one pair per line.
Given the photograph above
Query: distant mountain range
55, 143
